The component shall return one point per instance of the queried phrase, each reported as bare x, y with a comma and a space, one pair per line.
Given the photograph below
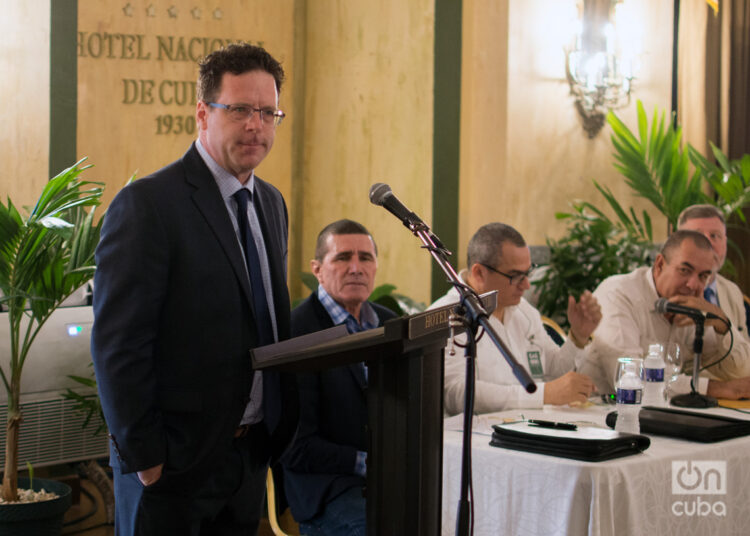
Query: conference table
521, 493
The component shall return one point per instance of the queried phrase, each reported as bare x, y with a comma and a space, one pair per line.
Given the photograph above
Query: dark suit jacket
333, 423
174, 322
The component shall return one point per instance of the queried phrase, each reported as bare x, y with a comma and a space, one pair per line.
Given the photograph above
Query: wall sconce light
600, 77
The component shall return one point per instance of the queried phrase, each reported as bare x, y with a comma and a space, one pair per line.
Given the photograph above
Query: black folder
691, 425
586, 443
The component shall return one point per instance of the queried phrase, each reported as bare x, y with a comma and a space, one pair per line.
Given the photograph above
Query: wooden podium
405, 404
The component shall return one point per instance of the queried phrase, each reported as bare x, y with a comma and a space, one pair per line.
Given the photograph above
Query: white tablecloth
518, 493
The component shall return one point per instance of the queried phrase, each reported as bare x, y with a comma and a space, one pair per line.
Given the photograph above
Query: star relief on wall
197, 13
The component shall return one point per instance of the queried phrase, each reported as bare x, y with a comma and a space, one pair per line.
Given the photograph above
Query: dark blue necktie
708, 294
260, 303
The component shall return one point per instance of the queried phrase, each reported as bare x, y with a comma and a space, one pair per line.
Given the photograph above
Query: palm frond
655, 166
46, 257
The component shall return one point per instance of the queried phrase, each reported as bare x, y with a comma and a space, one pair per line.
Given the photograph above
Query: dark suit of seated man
324, 470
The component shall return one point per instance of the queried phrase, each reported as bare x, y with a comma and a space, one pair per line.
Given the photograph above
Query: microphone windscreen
660, 306
378, 192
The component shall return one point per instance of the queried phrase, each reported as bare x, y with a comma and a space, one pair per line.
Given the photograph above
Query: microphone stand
474, 315
464, 512
694, 399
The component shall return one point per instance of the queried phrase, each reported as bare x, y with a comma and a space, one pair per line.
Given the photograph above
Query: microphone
664, 306
381, 194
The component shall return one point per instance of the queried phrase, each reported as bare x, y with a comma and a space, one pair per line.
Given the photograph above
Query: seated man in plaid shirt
324, 470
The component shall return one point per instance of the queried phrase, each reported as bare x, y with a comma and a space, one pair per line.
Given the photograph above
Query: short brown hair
676, 239
237, 58
340, 227
695, 212
485, 247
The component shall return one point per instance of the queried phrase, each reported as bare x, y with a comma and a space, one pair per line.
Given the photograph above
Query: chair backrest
273, 518
554, 330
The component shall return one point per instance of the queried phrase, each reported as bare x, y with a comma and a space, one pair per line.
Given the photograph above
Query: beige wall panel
692, 66
137, 66
549, 160
484, 116
24, 93
369, 119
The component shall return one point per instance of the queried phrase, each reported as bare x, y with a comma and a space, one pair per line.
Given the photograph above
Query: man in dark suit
324, 470
191, 276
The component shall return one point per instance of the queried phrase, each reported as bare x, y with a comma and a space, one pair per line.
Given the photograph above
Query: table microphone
664, 306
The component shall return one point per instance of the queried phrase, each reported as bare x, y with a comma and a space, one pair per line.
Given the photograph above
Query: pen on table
552, 424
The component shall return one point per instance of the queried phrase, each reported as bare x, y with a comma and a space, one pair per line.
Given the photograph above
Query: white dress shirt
496, 388
630, 324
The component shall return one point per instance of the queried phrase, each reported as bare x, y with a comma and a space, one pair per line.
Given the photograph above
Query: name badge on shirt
535, 363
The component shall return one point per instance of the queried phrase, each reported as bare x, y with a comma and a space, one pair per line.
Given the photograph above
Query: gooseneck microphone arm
474, 315
473, 305
381, 194
698, 351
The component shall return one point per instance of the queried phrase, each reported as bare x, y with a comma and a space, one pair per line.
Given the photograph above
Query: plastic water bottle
629, 393
653, 377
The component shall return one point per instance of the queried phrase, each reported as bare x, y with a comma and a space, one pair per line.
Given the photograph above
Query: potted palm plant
657, 166
44, 258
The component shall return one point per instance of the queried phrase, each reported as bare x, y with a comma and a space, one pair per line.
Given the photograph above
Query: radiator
52, 430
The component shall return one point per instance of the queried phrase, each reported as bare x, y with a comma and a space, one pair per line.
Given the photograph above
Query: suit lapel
275, 239
324, 320
210, 203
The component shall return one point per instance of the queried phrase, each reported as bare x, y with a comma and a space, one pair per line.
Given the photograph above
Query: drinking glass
673, 361
628, 363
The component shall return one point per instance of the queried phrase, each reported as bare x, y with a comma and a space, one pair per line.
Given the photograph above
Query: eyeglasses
515, 279
245, 112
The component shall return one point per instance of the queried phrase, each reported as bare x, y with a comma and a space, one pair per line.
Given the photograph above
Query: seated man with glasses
499, 259
681, 271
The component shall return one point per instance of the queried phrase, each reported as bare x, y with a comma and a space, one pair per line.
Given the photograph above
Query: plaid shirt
339, 315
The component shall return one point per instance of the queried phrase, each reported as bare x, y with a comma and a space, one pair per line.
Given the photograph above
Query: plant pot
40, 518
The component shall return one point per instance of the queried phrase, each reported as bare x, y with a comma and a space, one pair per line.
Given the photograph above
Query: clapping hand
584, 316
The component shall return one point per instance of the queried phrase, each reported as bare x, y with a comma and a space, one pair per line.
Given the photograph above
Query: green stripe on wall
63, 85
296, 261
446, 137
